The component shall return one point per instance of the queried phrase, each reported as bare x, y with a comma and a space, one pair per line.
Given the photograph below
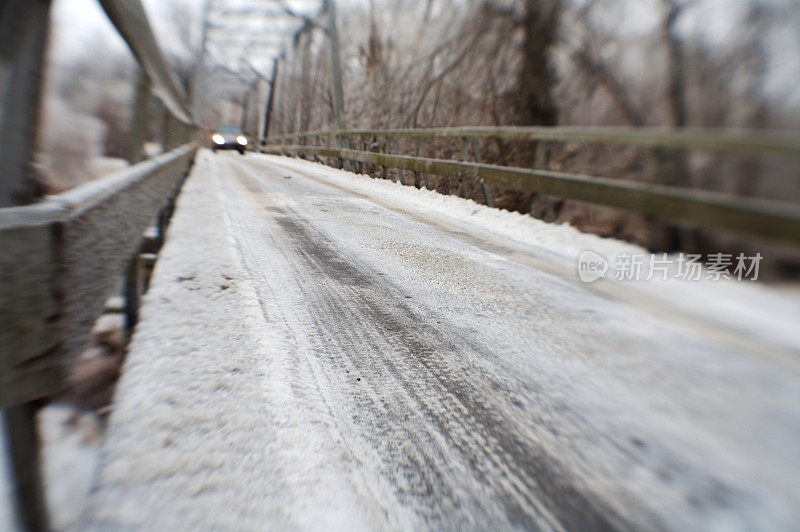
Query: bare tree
536, 77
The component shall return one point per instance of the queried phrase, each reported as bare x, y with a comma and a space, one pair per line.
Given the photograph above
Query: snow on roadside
560, 239
71, 442
768, 313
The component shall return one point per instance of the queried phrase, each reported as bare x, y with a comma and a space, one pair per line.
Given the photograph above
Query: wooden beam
774, 220
767, 143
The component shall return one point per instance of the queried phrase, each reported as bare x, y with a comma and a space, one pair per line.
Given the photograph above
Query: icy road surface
322, 351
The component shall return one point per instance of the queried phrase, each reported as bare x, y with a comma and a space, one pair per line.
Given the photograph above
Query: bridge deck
313, 351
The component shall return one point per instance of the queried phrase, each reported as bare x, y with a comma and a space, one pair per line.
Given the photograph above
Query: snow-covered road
319, 350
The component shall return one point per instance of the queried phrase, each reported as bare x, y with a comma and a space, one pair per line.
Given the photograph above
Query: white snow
282, 280
204, 433
771, 314
71, 446
236, 411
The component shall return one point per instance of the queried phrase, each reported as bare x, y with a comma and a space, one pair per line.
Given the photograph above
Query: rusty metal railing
770, 219
63, 256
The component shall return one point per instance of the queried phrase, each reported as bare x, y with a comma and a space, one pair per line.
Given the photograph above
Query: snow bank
768, 313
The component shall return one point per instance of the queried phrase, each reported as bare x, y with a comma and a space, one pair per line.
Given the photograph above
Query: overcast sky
78, 23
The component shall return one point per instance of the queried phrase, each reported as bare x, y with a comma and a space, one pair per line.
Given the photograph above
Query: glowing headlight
241, 140
217, 138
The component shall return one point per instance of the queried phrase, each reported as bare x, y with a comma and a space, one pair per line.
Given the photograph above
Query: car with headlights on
229, 138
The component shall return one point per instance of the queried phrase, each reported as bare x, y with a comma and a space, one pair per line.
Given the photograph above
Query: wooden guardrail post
402, 171
541, 206
161, 222
464, 156
668, 167
385, 150
362, 145
391, 147
487, 194
133, 290
417, 183
148, 261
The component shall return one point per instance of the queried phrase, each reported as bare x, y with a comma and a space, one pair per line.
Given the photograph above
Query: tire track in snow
409, 367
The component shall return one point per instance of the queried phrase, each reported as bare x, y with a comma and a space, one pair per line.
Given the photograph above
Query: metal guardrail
770, 143
775, 220
62, 257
